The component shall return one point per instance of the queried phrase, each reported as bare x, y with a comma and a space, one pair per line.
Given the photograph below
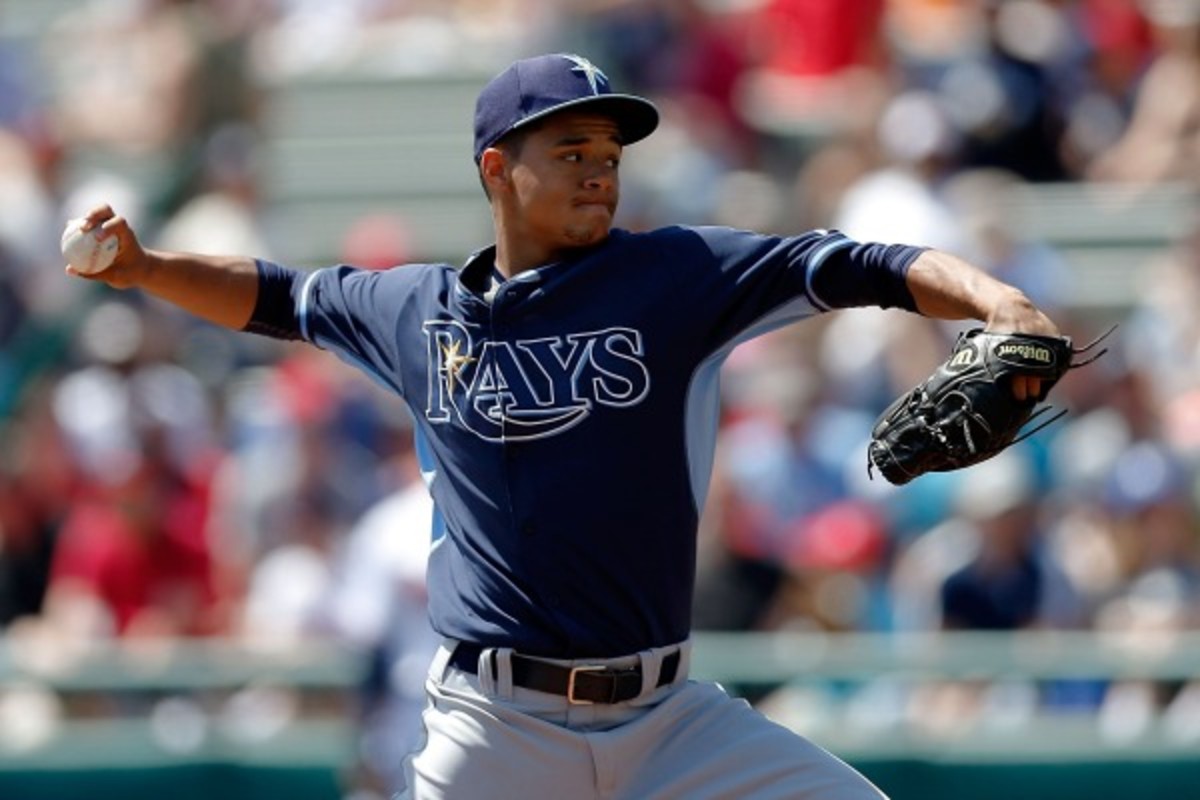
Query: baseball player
564, 383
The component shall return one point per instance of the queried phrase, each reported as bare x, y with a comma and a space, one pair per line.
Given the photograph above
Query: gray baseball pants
485, 738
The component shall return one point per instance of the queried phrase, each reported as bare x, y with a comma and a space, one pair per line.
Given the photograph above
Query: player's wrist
134, 269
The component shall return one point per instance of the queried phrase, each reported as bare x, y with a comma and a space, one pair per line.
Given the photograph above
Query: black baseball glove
966, 412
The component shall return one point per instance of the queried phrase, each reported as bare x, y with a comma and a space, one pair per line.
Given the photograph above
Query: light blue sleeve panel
357, 314
756, 283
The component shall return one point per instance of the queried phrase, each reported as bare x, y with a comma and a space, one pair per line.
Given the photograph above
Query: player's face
565, 187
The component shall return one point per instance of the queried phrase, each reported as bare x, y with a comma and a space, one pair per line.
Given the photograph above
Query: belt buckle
571, 698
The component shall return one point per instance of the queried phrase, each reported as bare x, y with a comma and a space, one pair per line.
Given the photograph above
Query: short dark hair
512, 144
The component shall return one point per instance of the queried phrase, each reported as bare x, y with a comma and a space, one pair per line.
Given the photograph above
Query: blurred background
211, 545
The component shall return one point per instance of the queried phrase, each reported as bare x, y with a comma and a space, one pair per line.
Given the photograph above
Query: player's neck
522, 245
508, 265
516, 254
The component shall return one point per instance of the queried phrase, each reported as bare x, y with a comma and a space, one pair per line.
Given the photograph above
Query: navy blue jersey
566, 418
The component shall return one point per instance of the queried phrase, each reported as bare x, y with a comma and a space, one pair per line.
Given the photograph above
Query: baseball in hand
84, 251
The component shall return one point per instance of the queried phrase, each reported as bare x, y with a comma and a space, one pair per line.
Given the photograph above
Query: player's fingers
110, 226
77, 274
97, 216
116, 226
1027, 387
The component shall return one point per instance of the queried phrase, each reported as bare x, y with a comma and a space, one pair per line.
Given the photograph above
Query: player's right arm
354, 313
220, 289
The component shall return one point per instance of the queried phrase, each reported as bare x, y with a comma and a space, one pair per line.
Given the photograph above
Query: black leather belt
581, 685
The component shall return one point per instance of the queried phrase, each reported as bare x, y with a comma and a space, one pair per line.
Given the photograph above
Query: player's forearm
220, 289
947, 287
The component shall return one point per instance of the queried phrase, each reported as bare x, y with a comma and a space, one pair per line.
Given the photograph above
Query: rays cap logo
534, 88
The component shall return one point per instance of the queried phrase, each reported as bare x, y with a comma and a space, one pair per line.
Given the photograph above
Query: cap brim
636, 117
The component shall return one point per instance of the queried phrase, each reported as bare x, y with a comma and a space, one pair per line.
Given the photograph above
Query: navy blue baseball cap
534, 88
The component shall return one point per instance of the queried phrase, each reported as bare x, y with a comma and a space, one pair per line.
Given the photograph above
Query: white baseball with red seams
84, 251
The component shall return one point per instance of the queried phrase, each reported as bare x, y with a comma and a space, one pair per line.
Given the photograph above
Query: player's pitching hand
130, 256
1020, 315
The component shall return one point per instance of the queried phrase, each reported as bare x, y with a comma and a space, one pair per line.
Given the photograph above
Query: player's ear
493, 169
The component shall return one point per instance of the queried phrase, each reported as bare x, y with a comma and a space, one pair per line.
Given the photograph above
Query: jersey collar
479, 271
480, 276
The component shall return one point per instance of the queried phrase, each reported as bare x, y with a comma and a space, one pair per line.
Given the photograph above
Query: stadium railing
120, 683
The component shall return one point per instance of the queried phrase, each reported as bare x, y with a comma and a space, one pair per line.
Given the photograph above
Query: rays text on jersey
529, 388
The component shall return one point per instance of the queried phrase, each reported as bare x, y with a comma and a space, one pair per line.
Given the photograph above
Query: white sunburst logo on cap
590, 71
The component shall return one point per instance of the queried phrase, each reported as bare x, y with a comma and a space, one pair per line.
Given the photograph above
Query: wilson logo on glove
1022, 353
963, 358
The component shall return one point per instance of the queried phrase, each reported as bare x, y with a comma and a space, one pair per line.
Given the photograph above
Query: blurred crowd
161, 477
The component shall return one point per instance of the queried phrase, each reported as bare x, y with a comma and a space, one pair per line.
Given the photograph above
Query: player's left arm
947, 287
